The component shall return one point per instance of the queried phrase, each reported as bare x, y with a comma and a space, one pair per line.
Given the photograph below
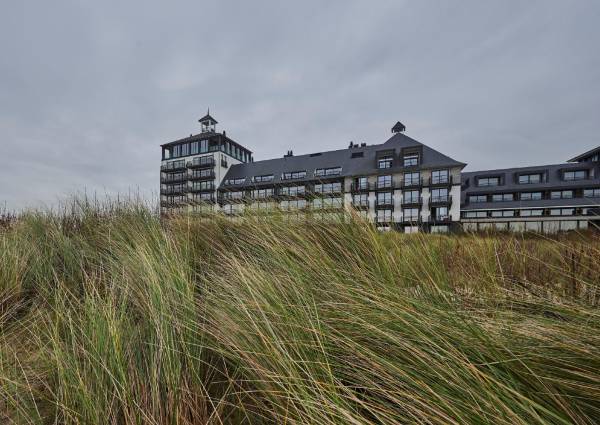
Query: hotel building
399, 184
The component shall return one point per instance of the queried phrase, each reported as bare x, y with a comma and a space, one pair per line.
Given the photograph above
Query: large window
411, 160
531, 196
530, 178
320, 203
410, 214
333, 171
293, 175
561, 194
292, 190
262, 193
562, 211
235, 181
441, 213
475, 214
503, 213
295, 204
360, 200
575, 175
439, 177
361, 183
502, 197
385, 162
531, 213
411, 196
478, 198
384, 182
439, 195
261, 179
384, 198
488, 181
591, 193
412, 179
335, 187
233, 195
384, 216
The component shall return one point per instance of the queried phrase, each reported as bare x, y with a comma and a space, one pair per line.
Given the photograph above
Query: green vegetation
108, 316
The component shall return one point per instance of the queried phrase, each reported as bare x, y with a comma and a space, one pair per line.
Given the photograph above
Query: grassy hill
108, 316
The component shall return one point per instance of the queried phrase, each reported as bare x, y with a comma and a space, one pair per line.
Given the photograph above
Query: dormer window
488, 181
530, 178
262, 179
322, 172
411, 160
293, 175
575, 175
385, 162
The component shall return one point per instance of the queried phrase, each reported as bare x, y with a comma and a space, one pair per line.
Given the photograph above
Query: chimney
224, 134
288, 154
362, 145
351, 145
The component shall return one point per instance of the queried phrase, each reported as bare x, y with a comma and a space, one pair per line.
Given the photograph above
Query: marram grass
110, 316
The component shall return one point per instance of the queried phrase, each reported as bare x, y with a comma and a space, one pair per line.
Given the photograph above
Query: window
478, 198
561, 194
203, 160
385, 162
262, 193
319, 203
384, 181
531, 196
335, 187
233, 195
384, 216
412, 179
530, 178
502, 197
206, 173
488, 181
295, 204
235, 181
531, 213
334, 171
439, 177
292, 190
503, 213
591, 193
206, 185
384, 198
194, 148
410, 214
265, 178
575, 175
411, 160
475, 214
562, 211
176, 151
360, 200
361, 183
411, 196
203, 146
439, 195
293, 175
441, 213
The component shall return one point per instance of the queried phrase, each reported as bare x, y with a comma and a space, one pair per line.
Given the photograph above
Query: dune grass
109, 315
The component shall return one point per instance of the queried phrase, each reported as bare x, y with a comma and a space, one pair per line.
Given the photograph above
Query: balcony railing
173, 178
201, 188
360, 204
412, 201
361, 187
412, 182
384, 203
173, 190
446, 218
441, 181
201, 162
173, 166
202, 176
384, 185
440, 200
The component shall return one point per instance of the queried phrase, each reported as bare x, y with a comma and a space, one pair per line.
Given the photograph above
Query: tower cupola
208, 123
398, 128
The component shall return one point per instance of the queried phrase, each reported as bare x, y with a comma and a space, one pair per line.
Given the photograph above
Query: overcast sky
88, 93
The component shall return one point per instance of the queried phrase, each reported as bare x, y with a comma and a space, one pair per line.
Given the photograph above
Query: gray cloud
87, 93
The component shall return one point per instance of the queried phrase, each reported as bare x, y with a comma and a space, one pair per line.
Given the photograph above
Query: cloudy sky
89, 92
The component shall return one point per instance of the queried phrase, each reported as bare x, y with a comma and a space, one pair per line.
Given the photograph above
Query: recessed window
591, 193
384, 198
561, 194
488, 181
439, 195
333, 171
385, 162
478, 198
293, 175
261, 179
502, 197
531, 196
384, 182
411, 160
412, 179
410, 214
530, 178
575, 175
411, 196
194, 148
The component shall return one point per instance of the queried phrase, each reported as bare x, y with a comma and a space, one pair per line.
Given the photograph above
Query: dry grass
108, 316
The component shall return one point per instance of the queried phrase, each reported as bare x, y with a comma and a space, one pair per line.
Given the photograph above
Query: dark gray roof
343, 158
585, 155
208, 118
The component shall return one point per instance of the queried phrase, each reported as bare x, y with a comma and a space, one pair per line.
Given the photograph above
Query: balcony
202, 176
440, 200
202, 162
173, 178
384, 185
412, 183
441, 219
173, 190
201, 188
195, 200
363, 187
360, 205
384, 203
385, 221
441, 181
412, 201
411, 219
173, 166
